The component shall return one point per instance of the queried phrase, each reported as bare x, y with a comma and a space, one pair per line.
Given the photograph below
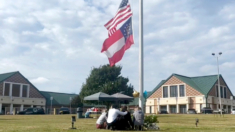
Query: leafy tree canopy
106, 79
76, 102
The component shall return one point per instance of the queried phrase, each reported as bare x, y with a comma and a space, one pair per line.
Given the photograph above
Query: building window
173, 109
173, 91
182, 91
163, 108
225, 92
217, 91
7, 89
165, 92
25, 91
221, 91
15, 90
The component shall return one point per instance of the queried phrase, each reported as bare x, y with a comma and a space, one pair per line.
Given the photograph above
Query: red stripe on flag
110, 32
124, 19
118, 55
111, 40
108, 22
128, 6
120, 18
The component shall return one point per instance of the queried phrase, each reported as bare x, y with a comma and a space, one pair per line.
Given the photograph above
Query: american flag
121, 40
123, 14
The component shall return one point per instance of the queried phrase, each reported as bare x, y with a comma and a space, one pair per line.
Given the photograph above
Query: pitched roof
203, 84
156, 88
4, 76
59, 99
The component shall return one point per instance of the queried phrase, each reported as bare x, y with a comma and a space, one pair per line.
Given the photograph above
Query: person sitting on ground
135, 110
87, 114
101, 122
138, 118
126, 121
112, 117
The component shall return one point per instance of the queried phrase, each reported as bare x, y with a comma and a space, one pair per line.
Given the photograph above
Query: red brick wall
222, 83
192, 104
173, 81
157, 94
18, 78
1, 89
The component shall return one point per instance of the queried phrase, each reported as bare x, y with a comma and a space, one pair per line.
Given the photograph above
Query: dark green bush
148, 120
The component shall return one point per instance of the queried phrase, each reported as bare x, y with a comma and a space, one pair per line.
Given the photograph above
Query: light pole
231, 98
177, 107
158, 107
70, 98
51, 104
217, 58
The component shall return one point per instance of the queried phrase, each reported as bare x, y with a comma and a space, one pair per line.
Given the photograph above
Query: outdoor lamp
217, 58
197, 121
73, 120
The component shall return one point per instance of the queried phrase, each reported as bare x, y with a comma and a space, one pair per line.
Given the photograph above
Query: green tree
76, 102
106, 79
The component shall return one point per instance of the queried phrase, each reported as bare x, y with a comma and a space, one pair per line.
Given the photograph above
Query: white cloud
61, 40
228, 12
218, 32
229, 65
39, 80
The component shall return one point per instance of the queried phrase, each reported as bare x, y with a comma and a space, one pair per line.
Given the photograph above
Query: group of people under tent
116, 119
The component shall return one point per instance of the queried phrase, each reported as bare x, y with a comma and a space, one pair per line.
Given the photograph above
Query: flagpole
141, 66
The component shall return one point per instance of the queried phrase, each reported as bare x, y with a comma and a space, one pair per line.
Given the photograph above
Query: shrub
148, 120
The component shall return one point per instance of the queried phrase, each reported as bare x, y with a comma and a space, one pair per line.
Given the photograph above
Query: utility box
73, 118
79, 112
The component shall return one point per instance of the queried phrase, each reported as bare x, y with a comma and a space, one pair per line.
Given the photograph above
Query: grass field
62, 123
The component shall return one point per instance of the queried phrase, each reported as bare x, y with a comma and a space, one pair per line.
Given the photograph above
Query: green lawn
62, 123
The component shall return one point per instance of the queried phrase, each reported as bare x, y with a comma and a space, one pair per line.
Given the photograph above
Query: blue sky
56, 43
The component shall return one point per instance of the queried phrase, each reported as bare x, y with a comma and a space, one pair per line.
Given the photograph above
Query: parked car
233, 111
64, 110
224, 111
218, 111
163, 112
192, 111
206, 110
31, 111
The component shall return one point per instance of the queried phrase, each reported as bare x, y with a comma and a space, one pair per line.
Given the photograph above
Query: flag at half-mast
120, 34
